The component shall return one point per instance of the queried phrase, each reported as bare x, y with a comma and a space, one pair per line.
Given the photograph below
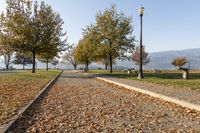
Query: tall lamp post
141, 12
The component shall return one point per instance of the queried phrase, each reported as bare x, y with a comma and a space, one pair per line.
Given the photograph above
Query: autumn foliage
179, 61
136, 56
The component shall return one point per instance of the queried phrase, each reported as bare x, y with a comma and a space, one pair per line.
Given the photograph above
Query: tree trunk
7, 61
110, 58
47, 65
74, 66
106, 66
7, 66
86, 66
110, 63
33, 68
23, 66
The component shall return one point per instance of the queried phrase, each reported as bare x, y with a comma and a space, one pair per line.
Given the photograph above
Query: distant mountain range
159, 60
162, 60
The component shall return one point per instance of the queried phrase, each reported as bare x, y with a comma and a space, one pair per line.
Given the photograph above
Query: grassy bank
166, 77
18, 88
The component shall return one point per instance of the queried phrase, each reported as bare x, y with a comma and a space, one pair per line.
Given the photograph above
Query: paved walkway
77, 103
192, 96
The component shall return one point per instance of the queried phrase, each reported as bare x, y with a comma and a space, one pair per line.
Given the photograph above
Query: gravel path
80, 104
185, 94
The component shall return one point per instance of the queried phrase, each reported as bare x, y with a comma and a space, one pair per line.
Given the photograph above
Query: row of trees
31, 30
110, 37
24, 60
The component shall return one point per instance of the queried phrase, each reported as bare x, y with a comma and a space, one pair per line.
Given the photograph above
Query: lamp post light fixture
141, 12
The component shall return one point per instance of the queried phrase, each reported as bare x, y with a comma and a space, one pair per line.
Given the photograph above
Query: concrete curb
157, 95
22, 111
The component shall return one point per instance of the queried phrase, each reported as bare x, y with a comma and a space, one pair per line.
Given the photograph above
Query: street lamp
141, 12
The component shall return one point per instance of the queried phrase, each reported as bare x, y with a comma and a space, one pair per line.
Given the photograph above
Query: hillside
162, 60
159, 60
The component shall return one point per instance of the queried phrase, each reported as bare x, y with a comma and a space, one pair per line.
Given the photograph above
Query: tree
179, 61
112, 33
5, 41
105, 62
48, 55
136, 56
22, 59
35, 27
7, 53
84, 52
69, 56
51, 36
54, 62
101, 56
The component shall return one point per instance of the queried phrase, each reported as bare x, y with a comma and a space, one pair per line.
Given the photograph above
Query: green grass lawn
18, 88
167, 77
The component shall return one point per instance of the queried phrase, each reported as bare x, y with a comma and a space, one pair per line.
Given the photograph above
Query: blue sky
168, 24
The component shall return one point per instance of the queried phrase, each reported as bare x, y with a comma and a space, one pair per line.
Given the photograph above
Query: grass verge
171, 78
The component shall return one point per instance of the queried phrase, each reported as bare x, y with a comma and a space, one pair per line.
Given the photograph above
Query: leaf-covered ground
77, 104
18, 88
